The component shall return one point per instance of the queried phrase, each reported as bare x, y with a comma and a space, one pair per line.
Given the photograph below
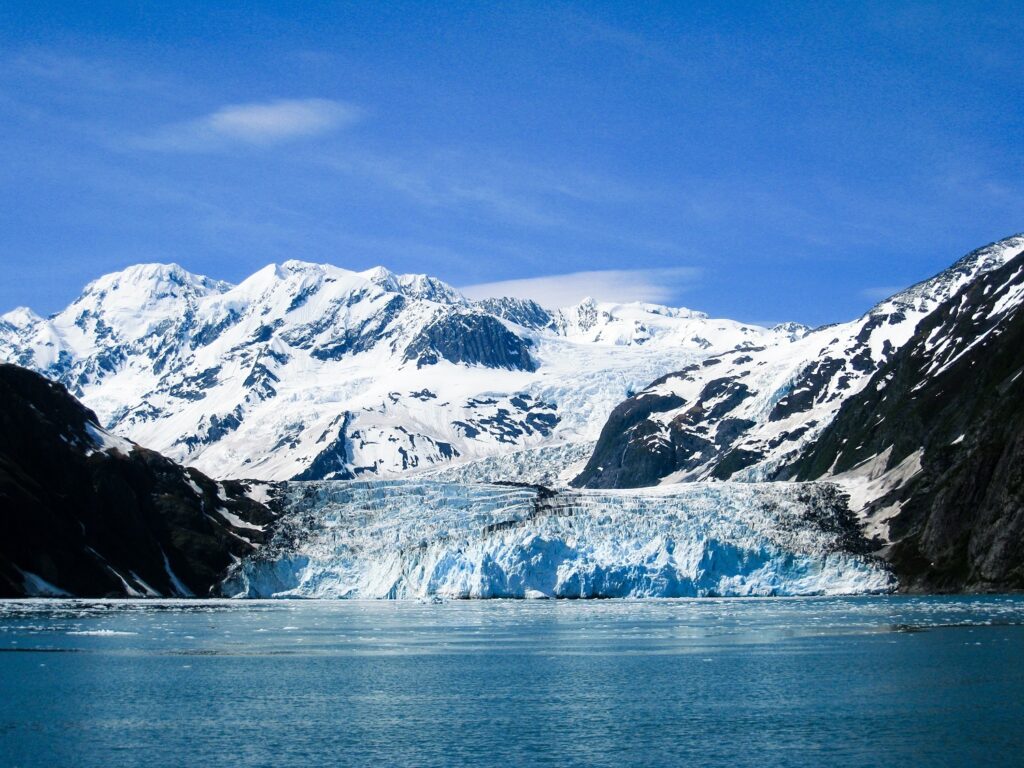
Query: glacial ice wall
407, 539
545, 465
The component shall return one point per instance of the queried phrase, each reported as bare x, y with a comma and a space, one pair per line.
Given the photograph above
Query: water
770, 682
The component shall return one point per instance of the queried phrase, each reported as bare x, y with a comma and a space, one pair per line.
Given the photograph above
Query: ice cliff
407, 539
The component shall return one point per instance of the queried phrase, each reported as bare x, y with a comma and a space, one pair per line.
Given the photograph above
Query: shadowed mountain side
88, 514
940, 432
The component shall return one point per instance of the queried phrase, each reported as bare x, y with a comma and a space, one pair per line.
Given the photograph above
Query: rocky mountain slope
747, 414
915, 409
311, 371
89, 514
932, 449
407, 421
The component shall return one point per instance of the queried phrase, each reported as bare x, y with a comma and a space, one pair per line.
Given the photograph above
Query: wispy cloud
621, 285
591, 29
503, 188
78, 73
255, 124
879, 292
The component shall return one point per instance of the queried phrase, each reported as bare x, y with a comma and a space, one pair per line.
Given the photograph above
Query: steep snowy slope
311, 371
412, 538
932, 450
745, 415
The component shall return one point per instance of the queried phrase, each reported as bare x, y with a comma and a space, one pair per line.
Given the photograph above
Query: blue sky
758, 162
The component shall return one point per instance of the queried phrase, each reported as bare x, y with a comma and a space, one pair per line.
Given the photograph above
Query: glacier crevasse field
409, 539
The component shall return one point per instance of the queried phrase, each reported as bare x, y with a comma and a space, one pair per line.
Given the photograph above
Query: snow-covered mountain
409, 421
746, 414
311, 371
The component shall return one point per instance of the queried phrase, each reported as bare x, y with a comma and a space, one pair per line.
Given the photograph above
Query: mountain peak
297, 266
378, 274
429, 288
415, 286
20, 317
156, 280
941, 286
791, 329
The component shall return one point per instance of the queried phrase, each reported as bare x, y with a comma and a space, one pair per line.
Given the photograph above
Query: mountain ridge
899, 434
302, 364
743, 416
931, 450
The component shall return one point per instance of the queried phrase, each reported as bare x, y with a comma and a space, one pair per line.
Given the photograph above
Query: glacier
544, 465
424, 538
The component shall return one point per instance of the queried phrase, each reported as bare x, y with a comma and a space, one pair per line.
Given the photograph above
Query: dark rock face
89, 522
335, 460
679, 436
524, 312
635, 451
214, 427
629, 452
508, 420
807, 388
466, 337
955, 393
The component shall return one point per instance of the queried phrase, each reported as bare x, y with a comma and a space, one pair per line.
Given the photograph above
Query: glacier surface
417, 538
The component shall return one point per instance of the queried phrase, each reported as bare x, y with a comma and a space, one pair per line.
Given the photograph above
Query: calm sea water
850, 682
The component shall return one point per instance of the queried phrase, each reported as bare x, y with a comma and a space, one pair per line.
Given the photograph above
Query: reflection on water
847, 681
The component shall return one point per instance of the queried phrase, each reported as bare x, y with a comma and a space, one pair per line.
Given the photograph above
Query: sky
764, 162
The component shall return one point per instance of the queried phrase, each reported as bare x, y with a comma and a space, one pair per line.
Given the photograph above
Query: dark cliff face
954, 393
629, 454
524, 312
85, 520
634, 452
473, 338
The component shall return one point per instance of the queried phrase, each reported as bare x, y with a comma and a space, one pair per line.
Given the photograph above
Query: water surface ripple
923, 681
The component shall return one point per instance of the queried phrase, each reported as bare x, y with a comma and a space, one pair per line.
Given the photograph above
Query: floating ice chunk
100, 632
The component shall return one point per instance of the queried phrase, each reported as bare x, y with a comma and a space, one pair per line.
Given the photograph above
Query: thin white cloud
501, 187
256, 124
89, 74
657, 286
880, 292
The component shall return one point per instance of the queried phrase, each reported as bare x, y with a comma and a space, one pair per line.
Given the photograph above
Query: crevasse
408, 539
